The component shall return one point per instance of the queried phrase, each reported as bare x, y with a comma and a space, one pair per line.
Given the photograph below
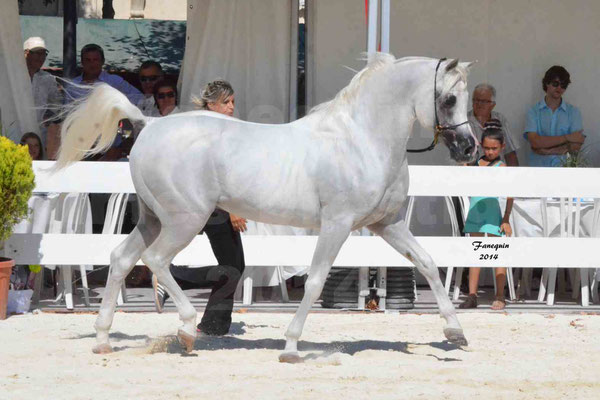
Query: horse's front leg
400, 238
331, 238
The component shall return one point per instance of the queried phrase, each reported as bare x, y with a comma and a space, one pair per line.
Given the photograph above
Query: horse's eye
450, 101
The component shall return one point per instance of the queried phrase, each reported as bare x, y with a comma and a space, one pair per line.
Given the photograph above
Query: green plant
16, 184
576, 159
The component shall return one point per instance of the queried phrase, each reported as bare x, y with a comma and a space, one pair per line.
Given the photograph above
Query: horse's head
446, 109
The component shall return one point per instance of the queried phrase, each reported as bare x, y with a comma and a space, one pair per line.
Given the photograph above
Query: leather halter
437, 128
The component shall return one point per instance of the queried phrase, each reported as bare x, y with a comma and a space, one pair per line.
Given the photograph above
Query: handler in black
223, 231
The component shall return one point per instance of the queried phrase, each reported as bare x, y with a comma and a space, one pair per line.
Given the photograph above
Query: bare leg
331, 239
474, 271
400, 238
499, 303
500, 281
474, 279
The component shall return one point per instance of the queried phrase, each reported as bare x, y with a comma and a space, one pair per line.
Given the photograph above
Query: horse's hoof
456, 336
103, 348
290, 358
186, 340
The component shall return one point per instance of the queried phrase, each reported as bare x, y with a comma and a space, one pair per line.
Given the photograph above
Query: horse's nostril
468, 150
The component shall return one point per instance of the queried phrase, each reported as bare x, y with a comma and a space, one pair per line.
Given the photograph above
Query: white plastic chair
247, 284
595, 274
245, 288
113, 224
570, 227
74, 212
40, 206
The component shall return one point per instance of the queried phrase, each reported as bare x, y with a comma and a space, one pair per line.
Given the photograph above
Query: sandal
470, 302
499, 303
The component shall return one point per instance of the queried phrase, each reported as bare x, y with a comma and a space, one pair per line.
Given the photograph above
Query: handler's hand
239, 223
506, 228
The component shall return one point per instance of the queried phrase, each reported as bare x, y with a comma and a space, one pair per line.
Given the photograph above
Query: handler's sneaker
160, 294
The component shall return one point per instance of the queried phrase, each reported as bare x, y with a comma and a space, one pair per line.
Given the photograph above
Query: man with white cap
45, 90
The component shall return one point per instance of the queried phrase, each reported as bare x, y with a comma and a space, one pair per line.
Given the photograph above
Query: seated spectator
165, 95
34, 145
92, 61
46, 95
150, 72
484, 101
554, 127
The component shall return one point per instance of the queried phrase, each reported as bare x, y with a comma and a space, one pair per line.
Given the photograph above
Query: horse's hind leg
400, 238
171, 240
331, 239
122, 260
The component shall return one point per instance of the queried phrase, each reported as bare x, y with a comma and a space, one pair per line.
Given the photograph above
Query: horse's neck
374, 115
390, 124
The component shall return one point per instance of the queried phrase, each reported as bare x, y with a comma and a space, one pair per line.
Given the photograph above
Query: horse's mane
349, 93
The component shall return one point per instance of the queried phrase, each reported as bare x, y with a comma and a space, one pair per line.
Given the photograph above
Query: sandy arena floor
347, 356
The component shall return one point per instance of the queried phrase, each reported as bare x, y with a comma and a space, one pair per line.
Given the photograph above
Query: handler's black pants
223, 278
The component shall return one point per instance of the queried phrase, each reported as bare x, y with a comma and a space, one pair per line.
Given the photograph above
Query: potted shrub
16, 185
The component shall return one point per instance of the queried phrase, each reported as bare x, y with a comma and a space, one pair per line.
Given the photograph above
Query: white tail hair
91, 125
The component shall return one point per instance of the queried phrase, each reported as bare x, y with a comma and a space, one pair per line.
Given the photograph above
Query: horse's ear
452, 64
467, 65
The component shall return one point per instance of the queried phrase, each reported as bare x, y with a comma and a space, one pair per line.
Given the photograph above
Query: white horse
340, 168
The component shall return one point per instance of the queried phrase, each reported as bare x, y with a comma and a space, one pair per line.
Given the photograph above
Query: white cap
34, 42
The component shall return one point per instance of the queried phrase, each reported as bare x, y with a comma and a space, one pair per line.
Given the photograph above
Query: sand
346, 356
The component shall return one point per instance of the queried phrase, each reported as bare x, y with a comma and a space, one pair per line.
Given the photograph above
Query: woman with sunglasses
554, 127
223, 231
165, 96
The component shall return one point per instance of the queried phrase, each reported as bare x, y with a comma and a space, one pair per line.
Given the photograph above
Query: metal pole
293, 100
309, 64
385, 26
70, 39
372, 28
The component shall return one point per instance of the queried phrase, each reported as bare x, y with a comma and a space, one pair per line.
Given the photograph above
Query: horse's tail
91, 124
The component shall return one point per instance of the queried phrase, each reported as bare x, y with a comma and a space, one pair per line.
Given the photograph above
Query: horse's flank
266, 173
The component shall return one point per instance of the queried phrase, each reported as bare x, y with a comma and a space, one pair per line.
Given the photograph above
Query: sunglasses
558, 83
151, 78
163, 96
481, 101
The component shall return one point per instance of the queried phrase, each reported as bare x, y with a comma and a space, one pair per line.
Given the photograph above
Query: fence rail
358, 251
114, 177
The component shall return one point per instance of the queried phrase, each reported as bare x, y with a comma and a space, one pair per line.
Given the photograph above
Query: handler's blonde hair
212, 93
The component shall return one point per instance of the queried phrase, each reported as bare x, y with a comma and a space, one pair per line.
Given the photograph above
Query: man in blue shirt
554, 126
92, 60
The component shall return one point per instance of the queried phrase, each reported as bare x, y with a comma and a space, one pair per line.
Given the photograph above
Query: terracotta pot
6, 265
